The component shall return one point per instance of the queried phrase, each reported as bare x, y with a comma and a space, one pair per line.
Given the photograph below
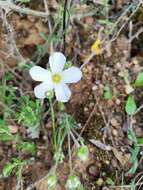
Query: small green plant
29, 115
16, 164
131, 110
109, 181
5, 134
131, 107
28, 147
67, 128
7, 96
107, 93
54, 81
134, 151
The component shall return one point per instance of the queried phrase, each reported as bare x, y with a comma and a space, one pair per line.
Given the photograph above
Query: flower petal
62, 92
71, 75
57, 61
40, 74
41, 89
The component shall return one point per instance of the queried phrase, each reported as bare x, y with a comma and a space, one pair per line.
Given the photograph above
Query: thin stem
69, 144
141, 107
74, 139
9, 5
69, 150
19, 185
125, 186
64, 24
53, 124
49, 23
79, 136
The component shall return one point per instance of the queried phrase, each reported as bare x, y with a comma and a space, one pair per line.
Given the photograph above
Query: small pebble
118, 102
99, 181
89, 20
45, 138
115, 132
91, 105
13, 129
93, 170
94, 87
114, 122
85, 109
107, 162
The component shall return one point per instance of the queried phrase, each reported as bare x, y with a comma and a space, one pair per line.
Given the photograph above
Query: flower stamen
56, 78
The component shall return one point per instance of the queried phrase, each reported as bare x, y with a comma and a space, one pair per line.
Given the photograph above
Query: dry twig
8, 5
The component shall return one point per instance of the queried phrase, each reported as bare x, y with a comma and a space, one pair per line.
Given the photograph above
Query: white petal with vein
41, 90
62, 92
57, 61
71, 75
39, 74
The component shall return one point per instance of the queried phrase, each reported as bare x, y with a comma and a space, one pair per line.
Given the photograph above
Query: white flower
56, 79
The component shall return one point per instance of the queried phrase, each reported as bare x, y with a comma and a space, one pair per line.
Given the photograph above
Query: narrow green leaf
8, 169
43, 36
16, 161
140, 141
4, 129
133, 185
8, 76
107, 22
107, 93
131, 135
134, 167
6, 137
27, 147
4, 132
24, 1
139, 80
134, 154
109, 181
130, 106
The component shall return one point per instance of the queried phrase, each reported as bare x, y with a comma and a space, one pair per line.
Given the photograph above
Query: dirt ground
103, 120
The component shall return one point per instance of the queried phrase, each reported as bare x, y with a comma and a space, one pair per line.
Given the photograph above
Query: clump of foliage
29, 115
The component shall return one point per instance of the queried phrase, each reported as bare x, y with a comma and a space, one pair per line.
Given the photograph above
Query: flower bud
73, 182
82, 153
50, 94
61, 106
51, 180
59, 156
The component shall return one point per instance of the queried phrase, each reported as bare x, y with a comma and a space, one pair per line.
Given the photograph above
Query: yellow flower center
56, 78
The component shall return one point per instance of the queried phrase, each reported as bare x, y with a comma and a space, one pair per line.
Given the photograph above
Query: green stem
53, 124
69, 144
69, 150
